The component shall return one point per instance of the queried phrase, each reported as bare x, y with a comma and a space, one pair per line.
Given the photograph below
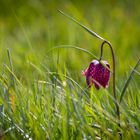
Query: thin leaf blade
83, 26
128, 81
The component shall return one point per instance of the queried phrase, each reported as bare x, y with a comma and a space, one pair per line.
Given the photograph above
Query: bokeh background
30, 28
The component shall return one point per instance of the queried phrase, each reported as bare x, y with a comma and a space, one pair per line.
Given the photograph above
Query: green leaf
83, 26
128, 80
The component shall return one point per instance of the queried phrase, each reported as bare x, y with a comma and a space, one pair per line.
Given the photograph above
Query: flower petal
97, 74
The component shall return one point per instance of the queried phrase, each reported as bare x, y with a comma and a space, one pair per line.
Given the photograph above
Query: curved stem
114, 72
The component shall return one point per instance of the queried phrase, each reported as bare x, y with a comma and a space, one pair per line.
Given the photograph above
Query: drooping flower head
98, 74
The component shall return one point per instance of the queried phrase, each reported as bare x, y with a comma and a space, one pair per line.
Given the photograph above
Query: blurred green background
52, 106
30, 28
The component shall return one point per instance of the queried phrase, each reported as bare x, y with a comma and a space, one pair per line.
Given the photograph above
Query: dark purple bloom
98, 74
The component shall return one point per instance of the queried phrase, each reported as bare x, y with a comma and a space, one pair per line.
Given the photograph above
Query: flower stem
114, 76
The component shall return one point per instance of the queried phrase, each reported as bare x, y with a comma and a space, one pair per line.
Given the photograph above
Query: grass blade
74, 47
84, 27
138, 73
12, 69
128, 80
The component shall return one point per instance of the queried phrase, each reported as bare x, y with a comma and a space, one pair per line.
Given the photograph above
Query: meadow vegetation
43, 94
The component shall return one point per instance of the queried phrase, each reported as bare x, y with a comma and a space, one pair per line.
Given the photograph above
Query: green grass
42, 92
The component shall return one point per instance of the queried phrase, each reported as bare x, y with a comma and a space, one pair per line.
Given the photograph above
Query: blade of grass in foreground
69, 78
128, 80
86, 28
74, 47
138, 73
12, 69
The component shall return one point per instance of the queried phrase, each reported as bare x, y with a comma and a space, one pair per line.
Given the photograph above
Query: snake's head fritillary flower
98, 74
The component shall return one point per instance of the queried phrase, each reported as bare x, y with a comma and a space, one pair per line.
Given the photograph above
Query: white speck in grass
64, 83
27, 136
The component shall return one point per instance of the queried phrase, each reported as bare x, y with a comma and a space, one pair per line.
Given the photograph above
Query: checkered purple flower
98, 74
